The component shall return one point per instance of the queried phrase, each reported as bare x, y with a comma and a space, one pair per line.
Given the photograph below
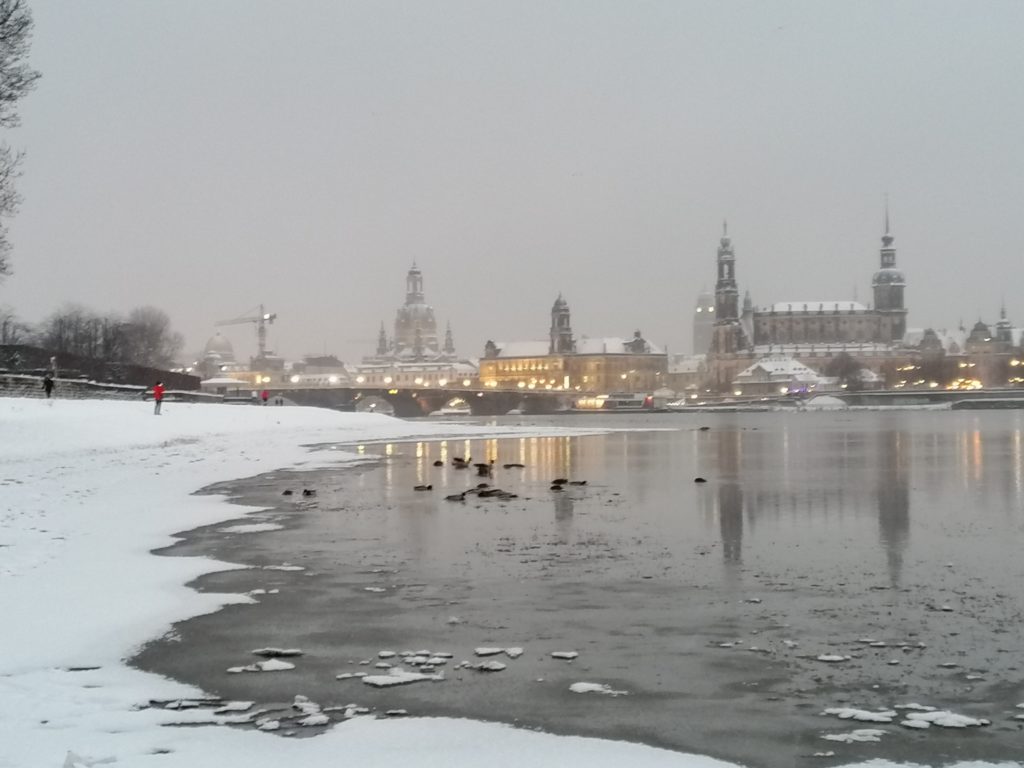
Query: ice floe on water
833, 658
861, 734
916, 716
270, 665
488, 666
943, 718
349, 675
234, 706
861, 715
565, 655
601, 688
487, 651
400, 676
251, 528
283, 567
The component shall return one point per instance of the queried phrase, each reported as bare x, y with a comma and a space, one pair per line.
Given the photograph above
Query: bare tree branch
17, 78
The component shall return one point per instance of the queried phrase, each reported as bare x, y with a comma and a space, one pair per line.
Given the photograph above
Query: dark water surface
709, 603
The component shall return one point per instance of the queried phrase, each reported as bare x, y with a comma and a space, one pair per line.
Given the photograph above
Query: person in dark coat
48, 384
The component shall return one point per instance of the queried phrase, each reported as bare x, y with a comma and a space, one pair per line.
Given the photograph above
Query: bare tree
847, 370
150, 339
17, 78
12, 330
145, 337
70, 330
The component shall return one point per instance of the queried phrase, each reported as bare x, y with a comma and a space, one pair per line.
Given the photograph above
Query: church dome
418, 314
889, 276
220, 346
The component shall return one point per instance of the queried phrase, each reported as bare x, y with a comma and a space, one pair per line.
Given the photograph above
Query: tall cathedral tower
727, 295
727, 333
887, 286
561, 329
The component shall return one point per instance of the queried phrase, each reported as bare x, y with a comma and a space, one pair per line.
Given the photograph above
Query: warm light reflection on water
832, 485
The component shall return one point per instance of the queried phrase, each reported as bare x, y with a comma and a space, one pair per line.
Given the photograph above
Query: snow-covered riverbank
87, 490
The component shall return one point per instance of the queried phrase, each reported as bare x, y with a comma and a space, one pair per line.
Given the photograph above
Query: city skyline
513, 153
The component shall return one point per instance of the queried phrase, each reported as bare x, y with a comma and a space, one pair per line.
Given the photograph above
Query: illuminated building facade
565, 364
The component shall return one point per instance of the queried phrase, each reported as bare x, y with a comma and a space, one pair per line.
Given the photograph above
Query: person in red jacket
265, 395
158, 396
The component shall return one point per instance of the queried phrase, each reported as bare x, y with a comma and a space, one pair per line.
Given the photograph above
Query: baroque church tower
561, 329
728, 332
888, 285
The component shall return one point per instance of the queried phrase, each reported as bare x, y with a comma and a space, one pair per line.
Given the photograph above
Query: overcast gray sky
204, 157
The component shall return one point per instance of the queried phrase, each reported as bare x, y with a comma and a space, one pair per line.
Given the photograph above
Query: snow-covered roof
223, 381
610, 345
779, 368
788, 307
952, 341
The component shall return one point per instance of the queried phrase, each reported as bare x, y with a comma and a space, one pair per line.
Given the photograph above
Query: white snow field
87, 490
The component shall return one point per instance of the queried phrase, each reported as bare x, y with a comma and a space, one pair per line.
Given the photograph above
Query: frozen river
889, 541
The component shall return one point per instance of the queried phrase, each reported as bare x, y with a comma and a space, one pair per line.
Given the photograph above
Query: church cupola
414, 286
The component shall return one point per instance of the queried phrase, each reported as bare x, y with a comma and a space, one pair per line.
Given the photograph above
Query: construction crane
262, 320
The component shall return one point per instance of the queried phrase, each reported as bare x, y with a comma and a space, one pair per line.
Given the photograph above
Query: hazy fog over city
208, 157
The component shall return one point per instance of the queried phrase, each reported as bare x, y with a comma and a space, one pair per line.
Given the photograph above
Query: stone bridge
409, 403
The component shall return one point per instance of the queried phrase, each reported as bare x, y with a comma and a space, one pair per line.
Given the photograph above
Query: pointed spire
725, 227
449, 343
887, 237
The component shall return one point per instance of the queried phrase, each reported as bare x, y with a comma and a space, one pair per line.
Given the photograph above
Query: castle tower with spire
561, 329
888, 285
